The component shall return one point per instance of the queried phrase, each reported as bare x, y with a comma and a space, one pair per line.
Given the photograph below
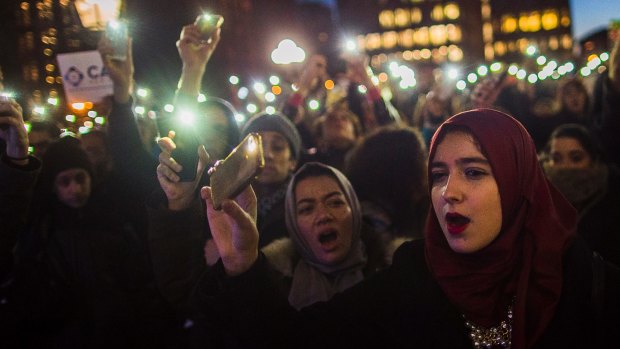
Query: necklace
499, 335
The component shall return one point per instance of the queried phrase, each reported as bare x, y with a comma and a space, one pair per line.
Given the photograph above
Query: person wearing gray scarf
327, 240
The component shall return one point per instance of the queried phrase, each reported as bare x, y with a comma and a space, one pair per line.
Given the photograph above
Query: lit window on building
437, 13
50, 67
565, 20
383, 58
386, 19
408, 55
455, 54
524, 21
438, 35
53, 93
512, 46
401, 17
509, 24
554, 43
64, 3
417, 55
50, 80
500, 48
373, 41
59, 80
451, 11
523, 44
406, 38
421, 36
454, 33
425, 53
34, 74
443, 50
486, 11
550, 19
24, 6
534, 21
390, 39
416, 15
487, 32
567, 41
489, 53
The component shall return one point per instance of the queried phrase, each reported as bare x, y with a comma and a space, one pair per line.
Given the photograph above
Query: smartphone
229, 177
186, 141
208, 24
117, 33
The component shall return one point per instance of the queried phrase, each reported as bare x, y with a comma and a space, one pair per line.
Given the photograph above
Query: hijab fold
524, 263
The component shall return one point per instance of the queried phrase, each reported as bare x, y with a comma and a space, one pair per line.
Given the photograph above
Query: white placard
84, 77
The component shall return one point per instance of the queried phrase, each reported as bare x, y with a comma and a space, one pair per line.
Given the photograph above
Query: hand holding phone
117, 33
186, 141
208, 24
232, 175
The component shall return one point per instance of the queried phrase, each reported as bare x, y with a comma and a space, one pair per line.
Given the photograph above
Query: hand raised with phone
180, 194
121, 71
12, 129
193, 49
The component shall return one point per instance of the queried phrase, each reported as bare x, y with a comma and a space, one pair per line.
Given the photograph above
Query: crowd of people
481, 223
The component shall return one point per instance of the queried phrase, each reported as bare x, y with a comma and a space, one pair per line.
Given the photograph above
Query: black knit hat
277, 123
64, 154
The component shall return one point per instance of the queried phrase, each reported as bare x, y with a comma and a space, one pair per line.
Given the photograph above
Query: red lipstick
456, 223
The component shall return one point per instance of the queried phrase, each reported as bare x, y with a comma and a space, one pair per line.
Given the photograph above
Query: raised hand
234, 230
13, 131
315, 71
614, 66
179, 194
486, 92
195, 53
121, 71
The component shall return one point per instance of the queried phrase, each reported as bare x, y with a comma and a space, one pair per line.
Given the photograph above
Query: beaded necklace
486, 338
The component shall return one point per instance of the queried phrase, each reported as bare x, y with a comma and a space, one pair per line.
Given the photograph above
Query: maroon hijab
525, 260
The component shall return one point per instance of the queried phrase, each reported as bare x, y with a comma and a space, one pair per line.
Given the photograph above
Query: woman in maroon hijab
501, 266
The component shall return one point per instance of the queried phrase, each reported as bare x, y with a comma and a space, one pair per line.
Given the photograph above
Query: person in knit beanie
68, 172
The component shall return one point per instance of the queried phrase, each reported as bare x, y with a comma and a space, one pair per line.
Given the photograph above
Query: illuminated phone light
541, 60
240, 118
38, 110
604, 56
243, 93
251, 108
233, 79
394, 69
187, 117
88, 105
495, 67
569, 67
513, 69
259, 87
89, 124
472, 77
530, 50
142, 92
374, 80
542, 75
594, 63
313, 104
7, 94
555, 75
274, 80
295, 87
403, 85
139, 110
270, 110
453, 73
92, 113
70, 118
100, 120
83, 129
483, 70
202, 98
114, 24
585, 71
77, 106
329, 84
270, 97
251, 145
521, 74
169, 108
350, 45
552, 65
27, 126
276, 90
362, 89
562, 70
30, 150
532, 78
461, 85
53, 101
